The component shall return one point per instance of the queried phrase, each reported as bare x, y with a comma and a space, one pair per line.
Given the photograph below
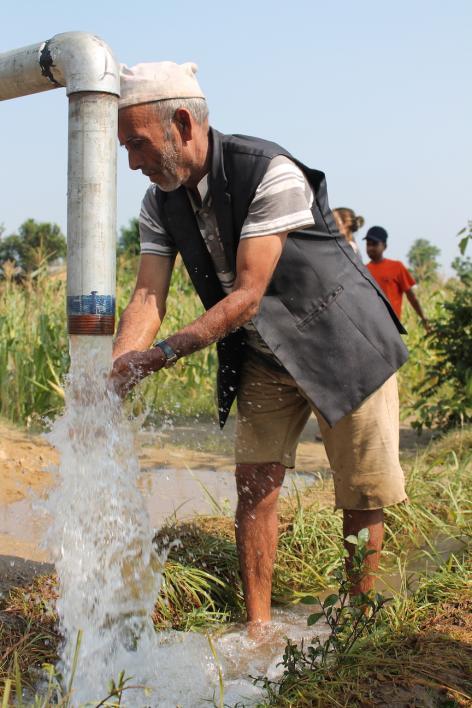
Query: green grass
34, 349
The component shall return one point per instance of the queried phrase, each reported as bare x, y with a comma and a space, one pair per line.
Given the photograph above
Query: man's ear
183, 121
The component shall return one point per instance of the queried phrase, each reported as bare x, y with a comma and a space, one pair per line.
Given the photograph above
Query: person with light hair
289, 304
348, 222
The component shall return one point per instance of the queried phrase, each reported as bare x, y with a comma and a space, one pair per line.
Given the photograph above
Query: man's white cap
157, 81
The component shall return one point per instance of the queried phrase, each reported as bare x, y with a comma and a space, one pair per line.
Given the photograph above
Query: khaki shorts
362, 447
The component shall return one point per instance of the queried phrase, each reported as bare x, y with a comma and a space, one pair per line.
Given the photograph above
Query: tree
422, 259
463, 268
34, 245
128, 242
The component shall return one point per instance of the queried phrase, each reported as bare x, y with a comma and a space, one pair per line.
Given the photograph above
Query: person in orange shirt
392, 276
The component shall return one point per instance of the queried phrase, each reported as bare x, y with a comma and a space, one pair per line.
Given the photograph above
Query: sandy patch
25, 461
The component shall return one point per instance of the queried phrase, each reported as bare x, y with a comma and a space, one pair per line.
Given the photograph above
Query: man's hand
130, 368
418, 309
426, 325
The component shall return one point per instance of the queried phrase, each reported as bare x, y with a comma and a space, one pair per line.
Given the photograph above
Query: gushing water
101, 538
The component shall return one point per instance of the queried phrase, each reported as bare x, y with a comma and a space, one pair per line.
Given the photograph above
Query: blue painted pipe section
93, 304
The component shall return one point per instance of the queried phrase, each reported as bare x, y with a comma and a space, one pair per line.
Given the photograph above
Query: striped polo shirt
282, 202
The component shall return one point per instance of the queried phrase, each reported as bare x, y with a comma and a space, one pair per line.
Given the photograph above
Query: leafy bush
445, 389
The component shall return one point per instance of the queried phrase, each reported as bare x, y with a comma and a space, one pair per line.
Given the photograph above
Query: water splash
101, 538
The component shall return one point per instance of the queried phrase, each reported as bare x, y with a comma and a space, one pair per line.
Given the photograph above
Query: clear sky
374, 93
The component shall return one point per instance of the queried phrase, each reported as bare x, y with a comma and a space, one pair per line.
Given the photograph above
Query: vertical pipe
91, 213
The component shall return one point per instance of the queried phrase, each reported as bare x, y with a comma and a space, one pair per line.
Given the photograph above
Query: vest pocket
319, 308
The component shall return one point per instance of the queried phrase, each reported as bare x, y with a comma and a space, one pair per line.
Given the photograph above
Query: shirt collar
203, 192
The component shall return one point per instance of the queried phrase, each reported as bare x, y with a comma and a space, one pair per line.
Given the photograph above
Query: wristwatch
170, 355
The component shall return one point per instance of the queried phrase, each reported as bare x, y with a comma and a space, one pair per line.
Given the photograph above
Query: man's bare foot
259, 632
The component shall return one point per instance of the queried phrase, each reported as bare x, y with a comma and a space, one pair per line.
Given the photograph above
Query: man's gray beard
169, 169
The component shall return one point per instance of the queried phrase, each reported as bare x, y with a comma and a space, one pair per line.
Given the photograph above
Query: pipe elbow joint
81, 62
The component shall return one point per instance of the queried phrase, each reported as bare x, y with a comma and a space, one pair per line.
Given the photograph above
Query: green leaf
312, 619
330, 600
363, 535
351, 539
310, 600
463, 244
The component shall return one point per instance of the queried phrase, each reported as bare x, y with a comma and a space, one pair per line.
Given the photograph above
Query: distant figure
348, 222
392, 276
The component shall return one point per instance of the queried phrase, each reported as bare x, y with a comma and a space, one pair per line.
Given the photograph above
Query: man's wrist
170, 356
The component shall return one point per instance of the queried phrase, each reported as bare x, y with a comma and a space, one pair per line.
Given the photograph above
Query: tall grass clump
439, 489
433, 295
33, 347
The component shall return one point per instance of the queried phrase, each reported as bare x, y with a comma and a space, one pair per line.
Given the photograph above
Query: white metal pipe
77, 61
86, 67
91, 213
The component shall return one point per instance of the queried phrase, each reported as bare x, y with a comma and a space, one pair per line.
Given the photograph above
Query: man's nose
133, 162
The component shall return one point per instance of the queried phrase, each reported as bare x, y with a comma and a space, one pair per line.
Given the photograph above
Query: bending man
300, 324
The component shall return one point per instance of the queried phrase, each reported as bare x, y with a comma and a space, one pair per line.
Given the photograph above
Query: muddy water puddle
175, 494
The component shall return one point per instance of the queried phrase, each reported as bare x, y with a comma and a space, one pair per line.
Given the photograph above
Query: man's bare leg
354, 521
257, 533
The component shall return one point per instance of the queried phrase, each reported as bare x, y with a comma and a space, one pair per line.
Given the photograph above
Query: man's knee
259, 484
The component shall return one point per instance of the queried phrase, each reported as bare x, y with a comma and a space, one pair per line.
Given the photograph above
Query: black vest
323, 315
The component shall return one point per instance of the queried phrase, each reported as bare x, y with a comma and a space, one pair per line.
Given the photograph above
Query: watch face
170, 355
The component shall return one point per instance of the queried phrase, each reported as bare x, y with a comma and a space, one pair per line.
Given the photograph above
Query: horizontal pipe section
76, 60
21, 73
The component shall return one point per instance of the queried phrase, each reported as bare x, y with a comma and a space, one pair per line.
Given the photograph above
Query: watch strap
169, 353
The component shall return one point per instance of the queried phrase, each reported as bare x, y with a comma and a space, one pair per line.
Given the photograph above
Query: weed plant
417, 652
348, 618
